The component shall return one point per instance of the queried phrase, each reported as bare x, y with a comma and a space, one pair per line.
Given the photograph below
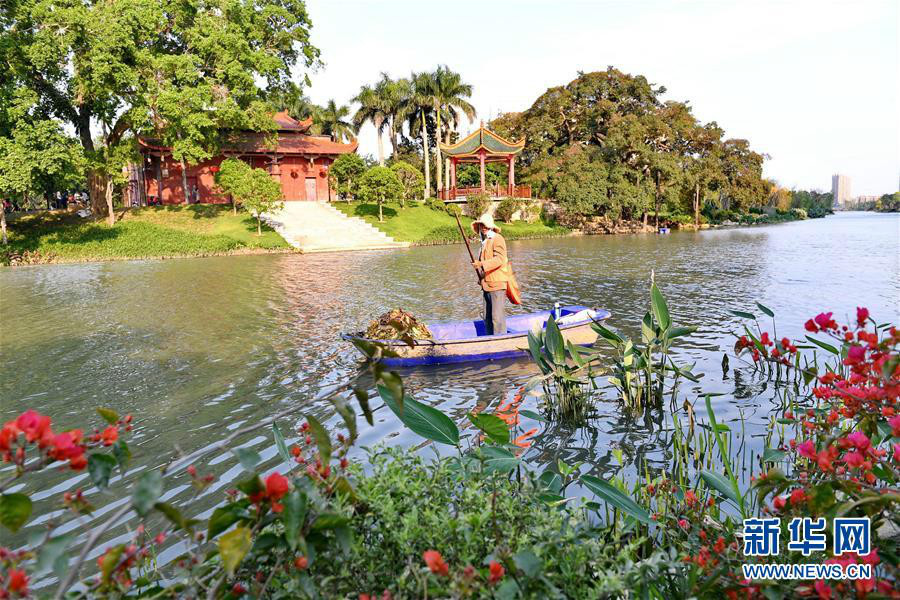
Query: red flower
894, 422
301, 562
497, 571
862, 315
719, 547
779, 502
33, 425
897, 453
854, 459
855, 355
110, 435
825, 321
807, 449
859, 440
798, 496
238, 590
276, 486
822, 590
435, 562
17, 582
684, 524
690, 498
811, 326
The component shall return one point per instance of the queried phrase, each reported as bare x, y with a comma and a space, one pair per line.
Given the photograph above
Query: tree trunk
447, 163
258, 226
380, 215
425, 154
184, 185
697, 205
233, 205
379, 123
97, 190
3, 224
438, 167
657, 201
393, 133
111, 217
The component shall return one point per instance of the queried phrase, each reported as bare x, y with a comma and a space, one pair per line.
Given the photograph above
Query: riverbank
149, 232
423, 226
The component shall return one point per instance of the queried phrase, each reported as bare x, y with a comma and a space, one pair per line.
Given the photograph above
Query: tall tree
449, 94
331, 120
417, 109
374, 107
99, 66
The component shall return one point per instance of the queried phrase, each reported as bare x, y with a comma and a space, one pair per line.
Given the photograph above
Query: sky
812, 84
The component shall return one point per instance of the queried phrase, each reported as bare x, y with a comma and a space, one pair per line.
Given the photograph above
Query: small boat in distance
465, 341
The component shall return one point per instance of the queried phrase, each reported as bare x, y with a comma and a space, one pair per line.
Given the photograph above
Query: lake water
196, 348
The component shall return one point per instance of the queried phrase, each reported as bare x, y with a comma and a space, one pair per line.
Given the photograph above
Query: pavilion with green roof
483, 146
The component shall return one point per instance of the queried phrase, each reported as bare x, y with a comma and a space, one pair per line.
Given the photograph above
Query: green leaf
535, 346
15, 509
394, 383
362, 396
423, 420
721, 484
527, 562
293, 516
659, 307
614, 339
615, 497
122, 454
500, 460
221, 519
773, 455
323, 440
824, 346
100, 467
551, 481
492, 425
233, 547
344, 537
329, 521
147, 491
532, 415
248, 457
51, 551
765, 310
554, 340
742, 314
675, 332
175, 516
251, 486
282, 446
109, 415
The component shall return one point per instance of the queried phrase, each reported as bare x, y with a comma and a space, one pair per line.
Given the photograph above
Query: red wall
293, 171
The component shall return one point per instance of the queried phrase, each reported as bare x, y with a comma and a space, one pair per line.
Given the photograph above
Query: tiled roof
292, 143
286, 122
482, 138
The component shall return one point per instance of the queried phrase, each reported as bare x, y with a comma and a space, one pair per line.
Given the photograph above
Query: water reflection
197, 348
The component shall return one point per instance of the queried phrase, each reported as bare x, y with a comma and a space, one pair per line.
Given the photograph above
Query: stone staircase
319, 227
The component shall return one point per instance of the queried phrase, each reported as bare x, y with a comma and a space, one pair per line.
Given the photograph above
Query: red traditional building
297, 159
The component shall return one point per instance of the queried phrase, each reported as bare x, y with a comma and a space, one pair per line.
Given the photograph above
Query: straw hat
488, 222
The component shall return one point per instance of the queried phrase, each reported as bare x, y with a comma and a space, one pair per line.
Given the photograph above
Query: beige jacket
495, 263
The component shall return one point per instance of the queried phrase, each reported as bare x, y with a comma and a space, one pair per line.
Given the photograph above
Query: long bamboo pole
478, 271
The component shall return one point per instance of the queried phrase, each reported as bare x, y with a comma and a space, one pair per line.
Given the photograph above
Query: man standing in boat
492, 260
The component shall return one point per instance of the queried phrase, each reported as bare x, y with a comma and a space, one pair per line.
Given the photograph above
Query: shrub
506, 209
344, 174
477, 204
453, 210
436, 204
799, 213
410, 178
254, 189
380, 184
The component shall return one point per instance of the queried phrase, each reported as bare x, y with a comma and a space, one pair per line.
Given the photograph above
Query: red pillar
512, 176
453, 177
481, 163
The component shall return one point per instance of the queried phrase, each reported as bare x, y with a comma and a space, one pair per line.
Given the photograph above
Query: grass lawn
150, 232
421, 225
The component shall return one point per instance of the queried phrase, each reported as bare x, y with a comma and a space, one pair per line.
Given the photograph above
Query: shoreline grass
423, 226
141, 233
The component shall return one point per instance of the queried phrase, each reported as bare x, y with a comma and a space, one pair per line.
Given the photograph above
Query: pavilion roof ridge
482, 138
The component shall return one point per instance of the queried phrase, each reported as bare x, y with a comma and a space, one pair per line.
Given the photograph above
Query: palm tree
296, 104
331, 120
399, 93
416, 108
449, 95
374, 107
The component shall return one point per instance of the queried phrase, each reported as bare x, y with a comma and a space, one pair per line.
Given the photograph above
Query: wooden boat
464, 341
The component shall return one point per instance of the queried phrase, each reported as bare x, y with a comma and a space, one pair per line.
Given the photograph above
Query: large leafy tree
344, 174
175, 68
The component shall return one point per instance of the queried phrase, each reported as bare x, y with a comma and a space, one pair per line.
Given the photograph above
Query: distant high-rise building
840, 190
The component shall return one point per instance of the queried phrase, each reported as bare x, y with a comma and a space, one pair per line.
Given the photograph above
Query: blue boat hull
465, 341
